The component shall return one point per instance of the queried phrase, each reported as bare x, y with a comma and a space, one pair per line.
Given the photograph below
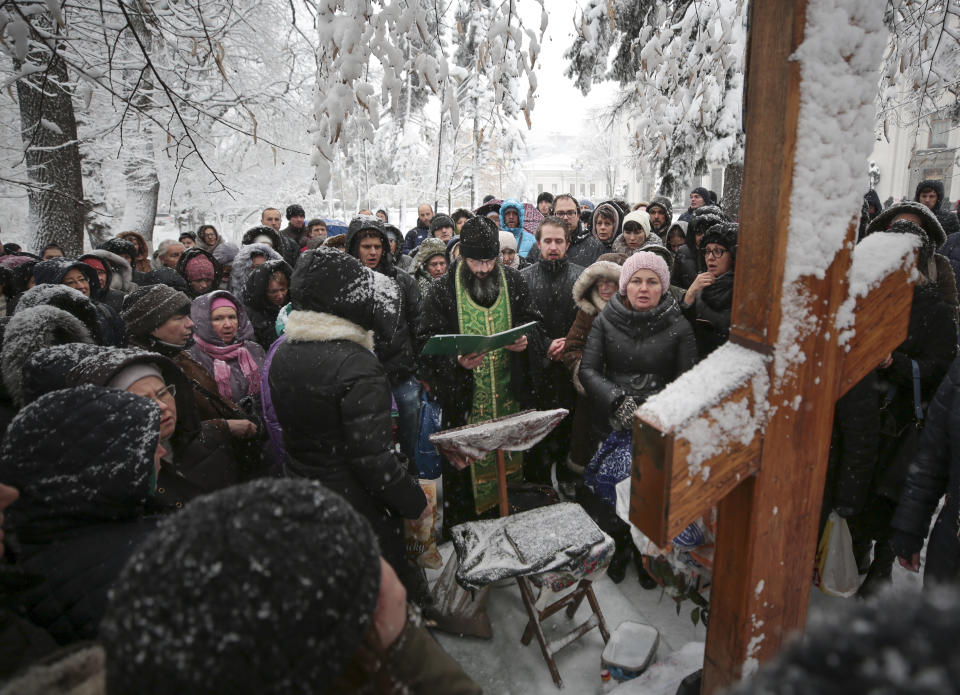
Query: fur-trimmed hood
317, 326
119, 271
30, 330
583, 293
620, 244
928, 220
79, 671
243, 263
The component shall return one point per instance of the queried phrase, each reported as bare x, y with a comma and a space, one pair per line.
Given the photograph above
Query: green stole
491, 386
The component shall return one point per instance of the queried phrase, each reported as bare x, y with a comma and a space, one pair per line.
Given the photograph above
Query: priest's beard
484, 291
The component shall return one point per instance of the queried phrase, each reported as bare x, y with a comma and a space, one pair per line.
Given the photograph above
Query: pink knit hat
199, 268
221, 302
640, 261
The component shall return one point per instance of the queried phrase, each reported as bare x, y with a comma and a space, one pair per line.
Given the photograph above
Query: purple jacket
276, 452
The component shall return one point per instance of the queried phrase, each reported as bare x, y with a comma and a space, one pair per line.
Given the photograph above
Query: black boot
878, 576
646, 581
618, 563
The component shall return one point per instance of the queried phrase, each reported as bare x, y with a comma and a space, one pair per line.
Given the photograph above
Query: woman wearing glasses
709, 298
198, 458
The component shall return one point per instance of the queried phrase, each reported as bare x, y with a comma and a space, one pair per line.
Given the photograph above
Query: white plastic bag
835, 570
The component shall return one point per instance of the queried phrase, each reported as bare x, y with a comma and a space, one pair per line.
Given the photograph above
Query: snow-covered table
550, 549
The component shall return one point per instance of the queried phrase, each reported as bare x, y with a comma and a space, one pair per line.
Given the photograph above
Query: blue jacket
525, 240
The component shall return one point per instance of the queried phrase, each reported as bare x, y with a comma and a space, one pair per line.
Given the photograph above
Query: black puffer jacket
82, 459
260, 310
635, 353
451, 383
396, 352
947, 218
332, 396
935, 472
200, 459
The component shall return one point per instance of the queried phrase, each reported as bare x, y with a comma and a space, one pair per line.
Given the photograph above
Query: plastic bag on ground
835, 568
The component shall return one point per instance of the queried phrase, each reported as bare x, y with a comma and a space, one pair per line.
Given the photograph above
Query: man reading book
479, 296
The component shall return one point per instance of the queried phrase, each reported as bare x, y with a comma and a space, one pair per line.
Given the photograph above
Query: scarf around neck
221, 370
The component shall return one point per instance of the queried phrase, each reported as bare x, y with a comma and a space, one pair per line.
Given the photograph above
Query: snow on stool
552, 547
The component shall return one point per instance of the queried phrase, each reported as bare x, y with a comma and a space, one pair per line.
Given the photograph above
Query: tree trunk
51, 152
143, 186
732, 187
97, 223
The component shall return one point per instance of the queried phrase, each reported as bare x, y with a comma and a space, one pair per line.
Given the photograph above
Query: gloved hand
905, 544
622, 417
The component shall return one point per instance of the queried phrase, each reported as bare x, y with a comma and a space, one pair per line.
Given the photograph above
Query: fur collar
317, 326
75, 671
582, 293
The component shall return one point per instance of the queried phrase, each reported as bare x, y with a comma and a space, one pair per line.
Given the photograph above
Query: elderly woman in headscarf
224, 344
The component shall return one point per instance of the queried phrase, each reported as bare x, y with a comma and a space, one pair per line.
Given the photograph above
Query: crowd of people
208, 450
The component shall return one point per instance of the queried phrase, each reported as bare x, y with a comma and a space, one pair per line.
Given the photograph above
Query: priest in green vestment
478, 295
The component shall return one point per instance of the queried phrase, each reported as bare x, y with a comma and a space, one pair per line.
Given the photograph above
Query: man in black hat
479, 296
295, 229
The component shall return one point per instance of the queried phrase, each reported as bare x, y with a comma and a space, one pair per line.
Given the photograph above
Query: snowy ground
503, 666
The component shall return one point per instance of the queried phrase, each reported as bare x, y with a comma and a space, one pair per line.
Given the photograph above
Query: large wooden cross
748, 430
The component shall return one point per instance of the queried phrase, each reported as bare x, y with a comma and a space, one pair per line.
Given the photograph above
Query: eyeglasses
565, 213
167, 393
714, 253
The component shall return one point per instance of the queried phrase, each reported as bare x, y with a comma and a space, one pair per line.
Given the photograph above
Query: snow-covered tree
681, 67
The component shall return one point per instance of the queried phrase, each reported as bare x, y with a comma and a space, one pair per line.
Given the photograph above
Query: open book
460, 344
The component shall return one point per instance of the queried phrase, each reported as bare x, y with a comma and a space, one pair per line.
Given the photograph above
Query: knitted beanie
295, 211
266, 587
641, 218
640, 261
441, 221
479, 239
147, 308
199, 268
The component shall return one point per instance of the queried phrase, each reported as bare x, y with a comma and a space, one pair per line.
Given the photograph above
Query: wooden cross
760, 435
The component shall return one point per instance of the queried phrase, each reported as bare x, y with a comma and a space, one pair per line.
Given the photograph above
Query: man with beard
551, 283
661, 215
479, 296
585, 248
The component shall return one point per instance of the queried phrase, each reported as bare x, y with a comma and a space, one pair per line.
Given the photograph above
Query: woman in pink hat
224, 344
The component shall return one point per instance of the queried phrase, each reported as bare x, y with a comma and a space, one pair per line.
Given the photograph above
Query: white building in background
910, 153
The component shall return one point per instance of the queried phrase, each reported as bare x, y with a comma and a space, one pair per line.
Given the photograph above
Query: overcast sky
560, 107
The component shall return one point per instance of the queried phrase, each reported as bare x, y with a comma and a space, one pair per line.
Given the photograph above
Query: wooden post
502, 484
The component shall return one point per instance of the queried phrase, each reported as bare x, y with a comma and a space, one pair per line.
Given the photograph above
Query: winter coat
450, 383
165, 276
526, 242
951, 251
635, 353
589, 305
199, 459
396, 351
400, 259
947, 218
30, 330
79, 670
854, 446
261, 311
83, 496
193, 253
46, 369
710, 314
112, 295
414, 237
934, 472
240, 387
243, 264
294, 234
664, 203
551, 289
332, 399
111, 329
611, 208
585, 248
142, 261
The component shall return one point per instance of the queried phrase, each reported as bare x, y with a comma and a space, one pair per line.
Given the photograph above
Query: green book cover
459, 344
